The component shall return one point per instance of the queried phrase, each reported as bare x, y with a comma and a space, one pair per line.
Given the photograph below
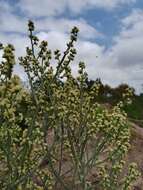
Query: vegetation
56, 135
135, 110
111, 96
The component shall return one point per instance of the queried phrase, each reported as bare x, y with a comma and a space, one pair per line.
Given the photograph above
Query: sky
110, 40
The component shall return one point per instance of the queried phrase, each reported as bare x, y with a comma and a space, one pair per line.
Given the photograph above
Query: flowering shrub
70, 141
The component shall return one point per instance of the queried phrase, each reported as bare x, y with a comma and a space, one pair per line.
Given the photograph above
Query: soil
135, 153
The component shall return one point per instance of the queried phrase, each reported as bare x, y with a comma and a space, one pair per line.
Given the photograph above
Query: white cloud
133, 25
122, 63
5, 7
65, 25
51, 8
134, 17
12, 23
42, 8
129, 44
9, 21
126, 55
99, 63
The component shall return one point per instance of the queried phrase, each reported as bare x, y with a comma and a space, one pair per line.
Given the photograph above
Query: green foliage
66, 128
123, 92
135, 110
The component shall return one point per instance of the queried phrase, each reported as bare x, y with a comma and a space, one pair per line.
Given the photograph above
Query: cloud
65, 25
99, 62
128, 44
121, 63
125, 57
44, 8
5, 7
9, 21
90, 4
36, 8
13, 23
133, 25
134, 17
55, 30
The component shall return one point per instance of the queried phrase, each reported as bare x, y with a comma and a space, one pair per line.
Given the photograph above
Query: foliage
69, 137
111, 96
135, 110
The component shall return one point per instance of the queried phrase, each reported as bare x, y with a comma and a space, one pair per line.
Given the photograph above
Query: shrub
70, 142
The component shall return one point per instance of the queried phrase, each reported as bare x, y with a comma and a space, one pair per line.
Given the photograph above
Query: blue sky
110, 39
